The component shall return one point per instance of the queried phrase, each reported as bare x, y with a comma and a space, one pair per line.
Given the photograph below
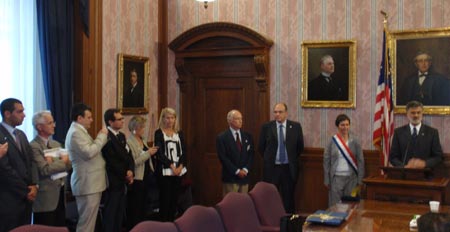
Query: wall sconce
205, 2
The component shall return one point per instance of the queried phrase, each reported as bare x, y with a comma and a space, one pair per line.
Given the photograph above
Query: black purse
291, 223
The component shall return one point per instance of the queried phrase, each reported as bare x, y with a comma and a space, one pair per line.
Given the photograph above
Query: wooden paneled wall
311, 193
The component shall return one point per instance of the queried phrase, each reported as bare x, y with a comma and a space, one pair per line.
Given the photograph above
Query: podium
407, 185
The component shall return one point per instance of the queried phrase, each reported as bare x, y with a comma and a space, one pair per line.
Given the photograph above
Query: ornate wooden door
221, 66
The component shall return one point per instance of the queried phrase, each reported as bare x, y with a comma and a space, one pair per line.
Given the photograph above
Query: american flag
384, 116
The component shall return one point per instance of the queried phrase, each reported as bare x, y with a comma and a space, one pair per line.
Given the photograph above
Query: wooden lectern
406, 184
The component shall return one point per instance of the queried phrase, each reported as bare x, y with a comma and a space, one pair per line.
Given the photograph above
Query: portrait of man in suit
236, 150
133, 95
415, 145
329, 74
421, 71
425, 84
281, 143
132, 83
326, 87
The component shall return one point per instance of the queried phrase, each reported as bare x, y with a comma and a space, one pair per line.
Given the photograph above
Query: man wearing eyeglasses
49, 206
425, 86
119, 166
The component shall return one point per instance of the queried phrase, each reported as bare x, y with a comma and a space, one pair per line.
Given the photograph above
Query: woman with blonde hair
172, 162
142, 155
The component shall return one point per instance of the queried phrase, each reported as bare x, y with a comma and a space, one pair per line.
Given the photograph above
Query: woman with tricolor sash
343, 162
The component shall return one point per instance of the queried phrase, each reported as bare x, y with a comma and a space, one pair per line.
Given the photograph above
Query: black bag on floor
291, 223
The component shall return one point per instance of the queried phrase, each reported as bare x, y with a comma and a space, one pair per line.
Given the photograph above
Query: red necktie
238, 142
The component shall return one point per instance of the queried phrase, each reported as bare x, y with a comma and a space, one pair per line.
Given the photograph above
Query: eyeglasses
49, 123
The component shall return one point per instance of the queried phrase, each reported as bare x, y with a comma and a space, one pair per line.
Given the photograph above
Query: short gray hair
135, 122
322, 60
230, 115
413, 104
38, 117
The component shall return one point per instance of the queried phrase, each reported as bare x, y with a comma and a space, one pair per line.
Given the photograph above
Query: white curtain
21, 75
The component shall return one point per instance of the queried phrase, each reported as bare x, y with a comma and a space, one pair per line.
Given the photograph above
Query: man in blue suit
235, 149
17, 175
280, 143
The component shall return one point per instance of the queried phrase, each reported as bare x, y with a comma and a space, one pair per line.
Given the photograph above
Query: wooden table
371, 215
381, 188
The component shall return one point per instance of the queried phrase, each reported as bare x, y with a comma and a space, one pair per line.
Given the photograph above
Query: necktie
423, 74
16, 137
238, 142
414, 134
281, 146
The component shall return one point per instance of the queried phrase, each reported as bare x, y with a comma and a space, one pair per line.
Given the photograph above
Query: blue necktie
282, 146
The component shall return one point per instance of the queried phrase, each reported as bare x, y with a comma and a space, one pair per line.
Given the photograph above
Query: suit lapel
232, 141
274, 131
10, 139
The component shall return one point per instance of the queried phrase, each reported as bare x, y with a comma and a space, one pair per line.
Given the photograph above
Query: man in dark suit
119, 169
235, 149
325, 87
134, 96
280, 152
18, 176
429, 88
415, 145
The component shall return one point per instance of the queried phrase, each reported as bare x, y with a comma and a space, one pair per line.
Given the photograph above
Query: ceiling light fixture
205, 2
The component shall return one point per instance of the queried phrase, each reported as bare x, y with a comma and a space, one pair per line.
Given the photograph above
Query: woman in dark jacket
172, 162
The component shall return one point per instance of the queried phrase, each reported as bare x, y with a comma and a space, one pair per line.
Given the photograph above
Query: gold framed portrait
132, 84
421, 69
329, 74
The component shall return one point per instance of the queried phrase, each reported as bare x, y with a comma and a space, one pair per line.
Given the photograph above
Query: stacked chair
258, 211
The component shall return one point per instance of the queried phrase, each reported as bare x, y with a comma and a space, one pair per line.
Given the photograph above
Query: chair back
200, 218
154, 226
39, 228
238, 213
268, 204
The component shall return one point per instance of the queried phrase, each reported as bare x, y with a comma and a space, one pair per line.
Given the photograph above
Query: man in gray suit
18, 175
49, 206
88, 179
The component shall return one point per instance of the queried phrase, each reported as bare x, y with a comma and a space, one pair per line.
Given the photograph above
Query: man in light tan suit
88, 179
49, 206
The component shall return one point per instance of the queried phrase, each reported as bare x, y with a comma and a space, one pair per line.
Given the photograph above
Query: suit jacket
118, 159
140, 157
330, 160
427, 146
268, 146
320, 89
89, 173
164, 162
433, 91
49, 190
231, 158
16, 173
134, 98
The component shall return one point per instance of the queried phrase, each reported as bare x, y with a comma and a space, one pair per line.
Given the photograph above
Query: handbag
291, 223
